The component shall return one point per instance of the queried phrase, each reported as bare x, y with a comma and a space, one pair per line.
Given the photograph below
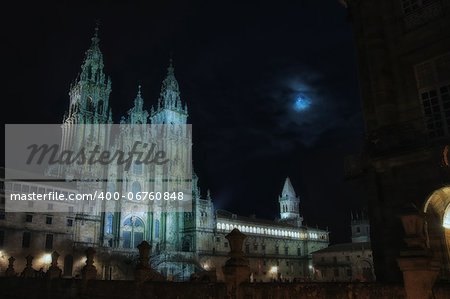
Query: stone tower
170, 109
89, 105
289, 204
360, 227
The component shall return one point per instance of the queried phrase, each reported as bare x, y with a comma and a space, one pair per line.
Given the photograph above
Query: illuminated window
135, 187
109, 223
446, 221
133, 232
157, 229
137, 168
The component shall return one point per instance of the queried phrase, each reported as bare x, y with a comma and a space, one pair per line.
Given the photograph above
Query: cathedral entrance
437, 215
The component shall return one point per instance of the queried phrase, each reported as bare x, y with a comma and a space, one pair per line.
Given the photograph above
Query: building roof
345, 247
288, 189
222, 214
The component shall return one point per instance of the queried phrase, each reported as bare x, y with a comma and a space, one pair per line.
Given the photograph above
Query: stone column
236, 269
10, 272
89, 271
54, 271
420, 269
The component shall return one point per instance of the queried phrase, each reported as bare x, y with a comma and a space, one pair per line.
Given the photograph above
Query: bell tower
289, 204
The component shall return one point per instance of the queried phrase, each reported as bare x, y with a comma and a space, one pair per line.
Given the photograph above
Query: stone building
404, 72
182, 243
347, 261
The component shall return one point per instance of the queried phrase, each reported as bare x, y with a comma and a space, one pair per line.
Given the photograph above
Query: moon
301, 104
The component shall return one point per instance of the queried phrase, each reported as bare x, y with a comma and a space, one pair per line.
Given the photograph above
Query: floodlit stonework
180, 243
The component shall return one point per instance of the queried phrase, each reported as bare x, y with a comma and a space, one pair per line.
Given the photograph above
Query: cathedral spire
89, 94
92, 68
137, 114
138, 101
170, 94
288, 189
170, 110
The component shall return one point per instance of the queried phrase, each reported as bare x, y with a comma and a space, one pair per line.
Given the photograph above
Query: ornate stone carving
10, 272
54, 271
89, 271
28, 271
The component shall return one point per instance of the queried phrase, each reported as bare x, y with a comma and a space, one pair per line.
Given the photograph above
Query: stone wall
22, 288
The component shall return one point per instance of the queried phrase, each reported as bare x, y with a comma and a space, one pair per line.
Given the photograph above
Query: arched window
156, 229
137, 168
109, 223
133, 232
111, 187
186, 245
135, 187
100, 107
89, 105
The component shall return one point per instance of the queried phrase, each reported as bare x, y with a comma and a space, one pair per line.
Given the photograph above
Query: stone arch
437, 216
186, 244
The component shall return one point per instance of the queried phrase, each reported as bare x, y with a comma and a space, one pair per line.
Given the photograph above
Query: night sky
271, 88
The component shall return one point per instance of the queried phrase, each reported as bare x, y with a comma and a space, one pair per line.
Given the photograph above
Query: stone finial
144, 254
54, 271
10, 272
143, 270
420, 269
415, 226
236, 269
236, 240
28, 271
89, 271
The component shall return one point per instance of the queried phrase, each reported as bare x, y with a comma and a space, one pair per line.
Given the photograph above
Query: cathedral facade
183, 242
